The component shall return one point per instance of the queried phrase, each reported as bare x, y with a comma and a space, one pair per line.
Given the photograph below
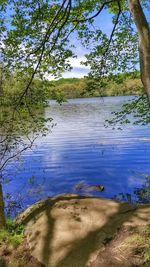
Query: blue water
81, 149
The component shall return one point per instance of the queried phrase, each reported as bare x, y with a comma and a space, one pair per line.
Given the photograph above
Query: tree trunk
2, 213
1, 80
144, 43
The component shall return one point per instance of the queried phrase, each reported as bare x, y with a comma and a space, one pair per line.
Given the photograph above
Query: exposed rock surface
70, 230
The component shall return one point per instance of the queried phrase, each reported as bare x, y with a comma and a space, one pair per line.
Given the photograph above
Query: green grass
12, 235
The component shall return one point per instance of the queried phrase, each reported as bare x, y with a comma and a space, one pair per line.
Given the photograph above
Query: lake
81, 151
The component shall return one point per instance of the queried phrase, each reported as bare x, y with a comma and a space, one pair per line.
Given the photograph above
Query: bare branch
115, 26
18, 153
95, 15
45, 40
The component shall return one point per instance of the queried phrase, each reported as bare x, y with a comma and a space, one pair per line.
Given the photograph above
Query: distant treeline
12, 87
121, 84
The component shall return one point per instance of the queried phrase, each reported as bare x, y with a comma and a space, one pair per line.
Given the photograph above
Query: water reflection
140, 195
80, 148
16, 203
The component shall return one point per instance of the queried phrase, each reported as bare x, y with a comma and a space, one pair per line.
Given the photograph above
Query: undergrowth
12, 235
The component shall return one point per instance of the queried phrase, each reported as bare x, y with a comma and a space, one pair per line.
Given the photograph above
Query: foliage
143, 193
135, 111
19, 130
140, 195
12, 235
13, 87
36, 43
121, 84
38, 36
42, 90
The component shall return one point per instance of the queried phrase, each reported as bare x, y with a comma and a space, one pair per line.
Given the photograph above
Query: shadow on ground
70, 230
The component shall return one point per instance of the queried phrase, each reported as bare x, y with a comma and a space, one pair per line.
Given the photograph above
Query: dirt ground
128, 248
80, 231
17, 257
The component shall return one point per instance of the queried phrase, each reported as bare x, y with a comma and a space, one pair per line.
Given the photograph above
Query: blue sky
104, 21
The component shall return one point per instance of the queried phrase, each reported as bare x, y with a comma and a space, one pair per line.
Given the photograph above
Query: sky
104, 21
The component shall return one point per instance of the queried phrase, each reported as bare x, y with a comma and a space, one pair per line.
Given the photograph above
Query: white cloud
76, 62
78, 70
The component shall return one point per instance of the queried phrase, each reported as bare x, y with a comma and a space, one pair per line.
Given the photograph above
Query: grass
139, 242
14, 251
12, 236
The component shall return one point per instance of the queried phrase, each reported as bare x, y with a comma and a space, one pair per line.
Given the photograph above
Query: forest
67, 88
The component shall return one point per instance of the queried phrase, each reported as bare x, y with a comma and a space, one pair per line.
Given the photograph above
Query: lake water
81, 150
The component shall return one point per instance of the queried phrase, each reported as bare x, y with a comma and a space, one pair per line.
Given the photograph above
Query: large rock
69, 230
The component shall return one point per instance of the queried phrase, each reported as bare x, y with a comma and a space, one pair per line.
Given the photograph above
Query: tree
144, 42
119, 51
36, 42
17, 134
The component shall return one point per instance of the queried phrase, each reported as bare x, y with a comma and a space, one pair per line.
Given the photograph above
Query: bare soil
80, 231
17, 257
128, 248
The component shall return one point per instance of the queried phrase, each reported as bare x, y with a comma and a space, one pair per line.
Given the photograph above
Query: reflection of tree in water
18, 131
143, 193
140, 195
15, 203
19, 128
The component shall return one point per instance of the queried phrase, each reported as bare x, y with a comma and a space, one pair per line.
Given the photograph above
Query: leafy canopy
36, 36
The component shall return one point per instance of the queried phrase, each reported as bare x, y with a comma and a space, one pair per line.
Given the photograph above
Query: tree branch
96, 14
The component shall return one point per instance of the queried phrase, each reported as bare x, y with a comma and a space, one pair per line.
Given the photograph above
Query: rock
69, 230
